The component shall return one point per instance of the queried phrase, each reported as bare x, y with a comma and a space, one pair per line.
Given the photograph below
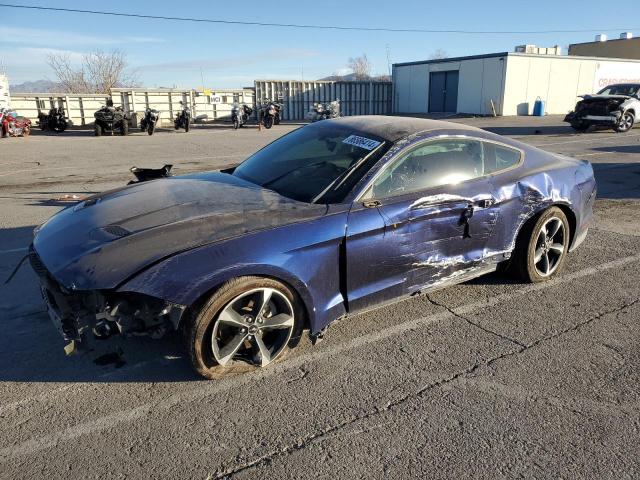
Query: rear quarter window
499, 157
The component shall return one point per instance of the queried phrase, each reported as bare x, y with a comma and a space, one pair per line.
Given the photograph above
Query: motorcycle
183, 118
270, 113
55, 120
110, 119
324, 111
13, 124
149, 121
240, 115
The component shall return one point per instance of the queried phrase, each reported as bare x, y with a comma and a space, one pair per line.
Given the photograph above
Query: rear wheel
626, 122
248, 323
61, 126
124, 128
541, 247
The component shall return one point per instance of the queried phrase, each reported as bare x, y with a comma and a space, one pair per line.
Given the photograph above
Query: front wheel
248, 323
61, 126
124, 128
236, 124
187, 125
268, 121
97, 130
26, 131
151, 128
276, 120
541, 247
626, 122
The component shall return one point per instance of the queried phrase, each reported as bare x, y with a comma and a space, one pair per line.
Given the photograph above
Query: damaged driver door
431, 213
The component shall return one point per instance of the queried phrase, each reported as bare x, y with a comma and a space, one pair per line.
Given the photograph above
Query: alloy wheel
550, 246
255, 327
626, 122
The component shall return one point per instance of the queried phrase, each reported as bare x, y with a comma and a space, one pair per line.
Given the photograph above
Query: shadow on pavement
617, 180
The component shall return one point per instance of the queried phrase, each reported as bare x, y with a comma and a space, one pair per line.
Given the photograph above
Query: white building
5, 98
508, 83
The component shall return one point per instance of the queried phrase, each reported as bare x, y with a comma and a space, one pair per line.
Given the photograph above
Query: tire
187, 125
124, 128
626, 122
236, 124
176, 125
26, 131
529, 246
580, 126
276, 120
268, 121
43, 125
151, 128
61, 127
202, 324
97, 130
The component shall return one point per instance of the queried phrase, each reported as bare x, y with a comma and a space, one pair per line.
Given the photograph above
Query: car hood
605, 97
103, 240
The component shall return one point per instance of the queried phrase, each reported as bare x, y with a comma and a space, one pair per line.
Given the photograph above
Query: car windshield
319, 163
629, 90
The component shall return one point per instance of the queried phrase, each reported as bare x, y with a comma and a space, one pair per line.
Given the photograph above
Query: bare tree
360, 66
98, 72
439, 54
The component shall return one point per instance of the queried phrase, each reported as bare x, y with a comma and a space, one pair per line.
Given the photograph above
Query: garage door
443, 91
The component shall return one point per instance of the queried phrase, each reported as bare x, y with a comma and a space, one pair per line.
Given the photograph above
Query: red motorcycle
13, 124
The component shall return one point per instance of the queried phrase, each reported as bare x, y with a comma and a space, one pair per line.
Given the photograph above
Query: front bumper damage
80, 316
610, 119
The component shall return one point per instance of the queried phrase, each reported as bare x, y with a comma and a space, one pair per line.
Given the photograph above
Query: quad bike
13, 125
111, 119
324, 111
54, 121
149, 120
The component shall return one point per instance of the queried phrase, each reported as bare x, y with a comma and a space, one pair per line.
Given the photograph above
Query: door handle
485, 202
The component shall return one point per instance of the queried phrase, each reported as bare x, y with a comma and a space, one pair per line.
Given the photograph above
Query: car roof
393, 128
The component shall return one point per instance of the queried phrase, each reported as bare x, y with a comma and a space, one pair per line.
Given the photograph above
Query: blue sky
168, 53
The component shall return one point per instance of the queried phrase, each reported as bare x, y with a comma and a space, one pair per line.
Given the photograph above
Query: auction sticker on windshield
361, 142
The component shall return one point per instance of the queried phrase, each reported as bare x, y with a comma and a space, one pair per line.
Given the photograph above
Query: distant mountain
39, 86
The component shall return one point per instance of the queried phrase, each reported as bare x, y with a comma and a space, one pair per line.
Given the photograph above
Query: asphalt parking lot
486, 379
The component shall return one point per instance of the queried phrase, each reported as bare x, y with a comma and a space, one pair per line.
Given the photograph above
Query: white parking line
51, 440
587, 140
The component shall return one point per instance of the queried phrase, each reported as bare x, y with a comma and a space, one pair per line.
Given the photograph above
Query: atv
111, 119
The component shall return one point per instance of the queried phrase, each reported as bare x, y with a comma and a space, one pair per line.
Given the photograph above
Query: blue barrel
538, 108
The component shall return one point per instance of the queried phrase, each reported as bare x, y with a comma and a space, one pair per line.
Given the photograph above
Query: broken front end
81, 315
597, 111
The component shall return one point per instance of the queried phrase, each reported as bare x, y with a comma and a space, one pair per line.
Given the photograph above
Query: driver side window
435, 163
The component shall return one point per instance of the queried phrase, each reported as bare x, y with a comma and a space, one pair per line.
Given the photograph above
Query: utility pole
389, 59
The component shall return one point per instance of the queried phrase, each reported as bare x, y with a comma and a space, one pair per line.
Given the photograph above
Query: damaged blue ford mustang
332, 219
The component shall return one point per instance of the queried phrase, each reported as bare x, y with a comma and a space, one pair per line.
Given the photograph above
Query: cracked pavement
491, 378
